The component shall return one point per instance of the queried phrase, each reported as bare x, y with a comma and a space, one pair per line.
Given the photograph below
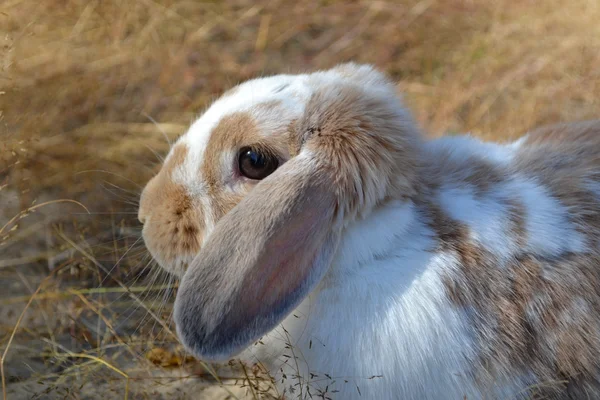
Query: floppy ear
261, 260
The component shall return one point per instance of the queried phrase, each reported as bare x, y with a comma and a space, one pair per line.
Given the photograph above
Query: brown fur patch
473, 172
234, 132
161, 187
534, 314
362, 144
483, 175
516, 313
176, 159
516, 216
222, 202
566, 160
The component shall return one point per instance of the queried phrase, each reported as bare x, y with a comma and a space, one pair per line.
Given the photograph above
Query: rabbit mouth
173, 262
176, 267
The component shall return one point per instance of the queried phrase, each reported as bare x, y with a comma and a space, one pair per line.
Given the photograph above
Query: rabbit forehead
263, 107
291, 92
272, 103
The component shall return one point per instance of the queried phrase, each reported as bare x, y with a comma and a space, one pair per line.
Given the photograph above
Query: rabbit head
251, 202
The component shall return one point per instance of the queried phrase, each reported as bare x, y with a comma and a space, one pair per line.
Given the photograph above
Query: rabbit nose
143, 206
142, 210
141, 216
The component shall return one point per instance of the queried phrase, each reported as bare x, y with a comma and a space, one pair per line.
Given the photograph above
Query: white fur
381, 310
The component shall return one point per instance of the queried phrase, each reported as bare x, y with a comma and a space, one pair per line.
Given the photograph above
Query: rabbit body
374, 263
486, 286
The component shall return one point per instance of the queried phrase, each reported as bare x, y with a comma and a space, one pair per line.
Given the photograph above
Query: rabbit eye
255, 164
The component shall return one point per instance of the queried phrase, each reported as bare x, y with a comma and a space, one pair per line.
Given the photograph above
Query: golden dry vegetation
91, 92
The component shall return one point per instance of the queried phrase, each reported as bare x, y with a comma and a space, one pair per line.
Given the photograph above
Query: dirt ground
91, 92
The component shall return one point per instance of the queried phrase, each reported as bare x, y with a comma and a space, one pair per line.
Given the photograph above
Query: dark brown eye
255, 164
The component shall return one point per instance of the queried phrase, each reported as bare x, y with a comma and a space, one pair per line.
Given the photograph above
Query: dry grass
91, 90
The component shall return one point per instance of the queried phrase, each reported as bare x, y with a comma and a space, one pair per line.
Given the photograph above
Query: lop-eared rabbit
315, 230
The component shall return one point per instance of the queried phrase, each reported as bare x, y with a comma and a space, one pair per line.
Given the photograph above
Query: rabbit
318, 232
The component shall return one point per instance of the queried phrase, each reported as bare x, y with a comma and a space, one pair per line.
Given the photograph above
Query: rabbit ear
261, 260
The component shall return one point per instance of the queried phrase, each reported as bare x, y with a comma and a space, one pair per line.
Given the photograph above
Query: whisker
108, 213
136, 194
160, 299
142, 323
159, 128
143, 320
110, 173
133, 251
132, 283
168, 294
132, 198
164, 303
160, 158
119, 260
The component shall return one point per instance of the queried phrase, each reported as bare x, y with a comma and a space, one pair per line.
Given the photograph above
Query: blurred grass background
91, 92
